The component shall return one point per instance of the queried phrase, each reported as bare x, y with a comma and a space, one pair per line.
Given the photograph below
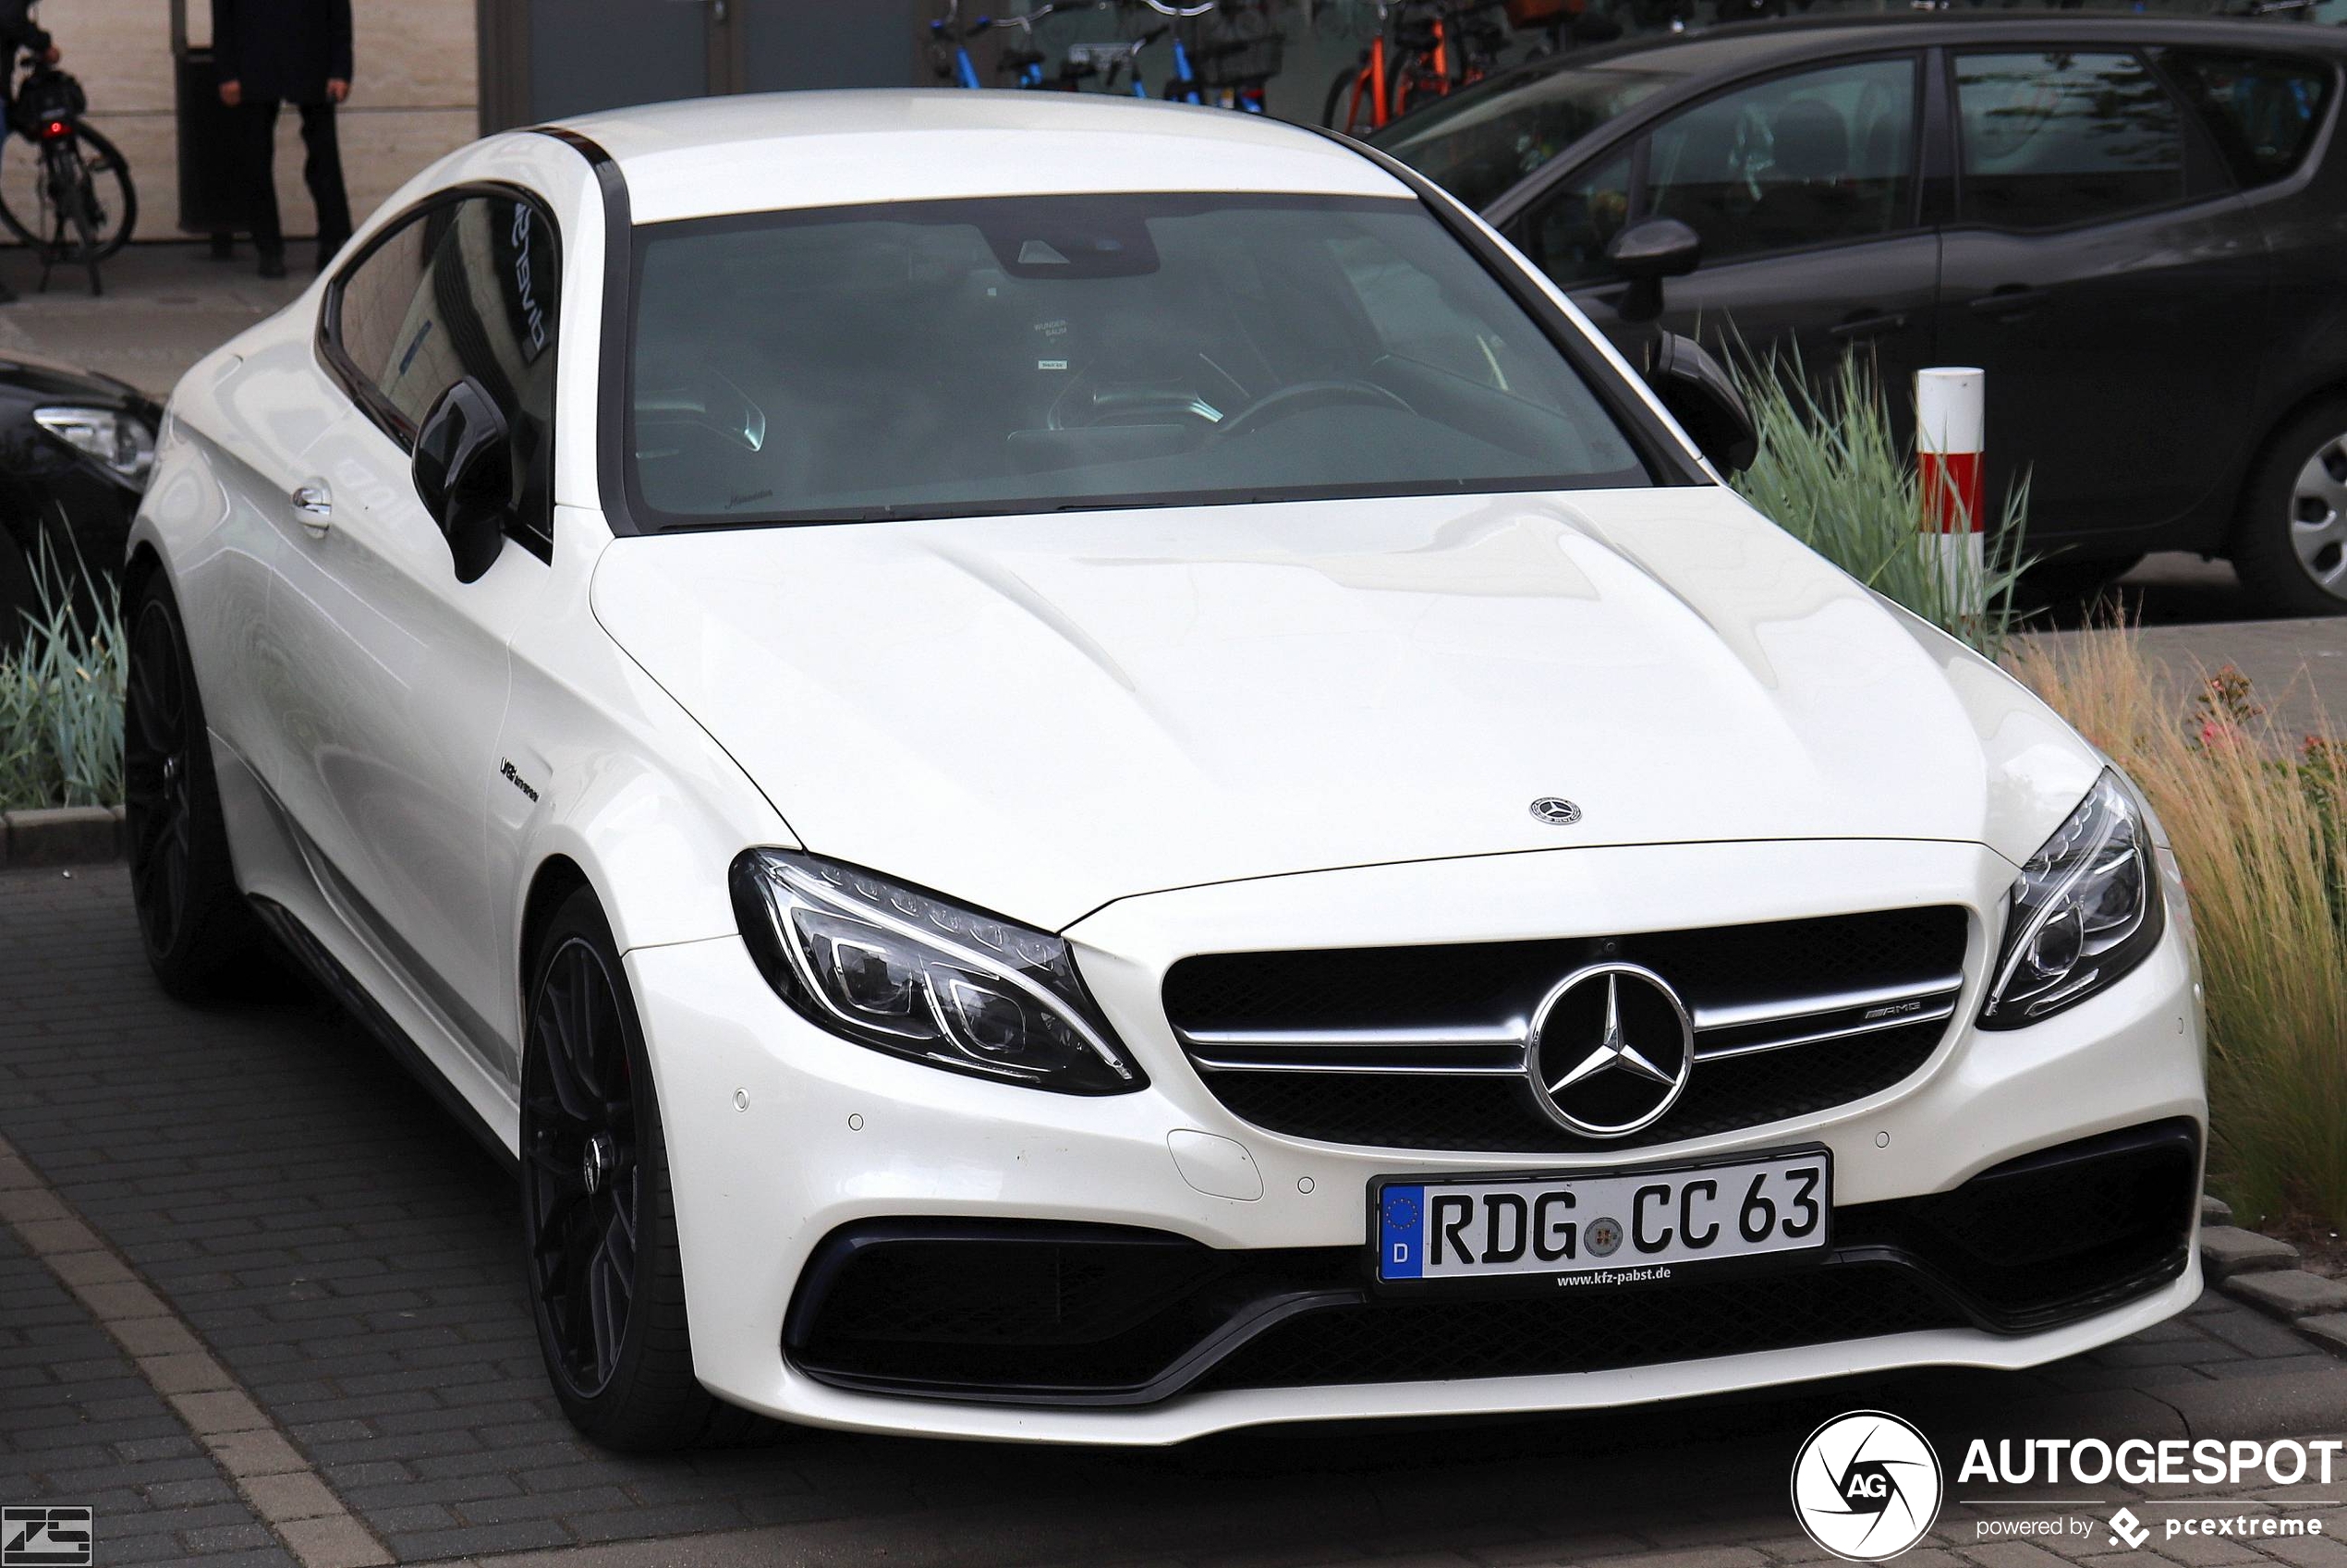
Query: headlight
905, 971
119, 439
2084, 911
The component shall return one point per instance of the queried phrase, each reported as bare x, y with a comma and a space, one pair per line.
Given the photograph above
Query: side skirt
344, 987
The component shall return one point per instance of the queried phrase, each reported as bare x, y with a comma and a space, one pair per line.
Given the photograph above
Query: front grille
1423, 1047
1497, 1114
1052, 1314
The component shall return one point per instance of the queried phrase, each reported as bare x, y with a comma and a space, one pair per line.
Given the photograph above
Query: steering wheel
1297, 398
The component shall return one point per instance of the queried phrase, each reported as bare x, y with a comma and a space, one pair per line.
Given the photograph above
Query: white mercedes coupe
1074, 770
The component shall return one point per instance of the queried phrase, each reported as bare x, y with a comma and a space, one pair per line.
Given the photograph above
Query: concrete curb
60, 835
2260, 1270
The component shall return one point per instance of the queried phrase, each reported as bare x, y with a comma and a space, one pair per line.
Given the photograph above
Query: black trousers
320, 170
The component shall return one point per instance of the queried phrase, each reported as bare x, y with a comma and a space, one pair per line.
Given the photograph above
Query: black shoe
7, 295
223, 247
274, 265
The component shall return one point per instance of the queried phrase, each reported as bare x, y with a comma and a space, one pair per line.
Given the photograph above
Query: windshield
1478, 143
1056, 353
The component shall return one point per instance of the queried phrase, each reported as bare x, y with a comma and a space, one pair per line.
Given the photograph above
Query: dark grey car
2137, 225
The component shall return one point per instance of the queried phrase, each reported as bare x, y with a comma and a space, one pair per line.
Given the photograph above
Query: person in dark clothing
297, 51
17, 35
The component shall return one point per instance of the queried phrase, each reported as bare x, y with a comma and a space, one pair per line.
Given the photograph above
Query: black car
2137, 225
75, 452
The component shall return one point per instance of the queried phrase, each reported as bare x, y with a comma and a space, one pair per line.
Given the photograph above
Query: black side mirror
464, 473
1646, 253
1692, 384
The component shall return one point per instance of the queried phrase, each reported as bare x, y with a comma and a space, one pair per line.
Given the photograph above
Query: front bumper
782, 1136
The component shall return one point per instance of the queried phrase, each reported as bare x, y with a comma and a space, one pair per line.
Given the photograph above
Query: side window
2053, 138
464, 288
372, 299
2265, 110
1567, 233
1811, 159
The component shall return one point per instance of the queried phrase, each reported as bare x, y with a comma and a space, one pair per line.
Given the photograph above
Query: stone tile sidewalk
349, 1256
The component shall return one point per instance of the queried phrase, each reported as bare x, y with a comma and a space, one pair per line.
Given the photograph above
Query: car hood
1042, 714
52, 381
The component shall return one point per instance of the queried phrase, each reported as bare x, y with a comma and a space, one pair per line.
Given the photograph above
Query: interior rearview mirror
1646, 253
464, 474
1697, 390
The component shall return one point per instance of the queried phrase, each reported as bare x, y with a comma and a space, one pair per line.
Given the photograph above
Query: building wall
414, 97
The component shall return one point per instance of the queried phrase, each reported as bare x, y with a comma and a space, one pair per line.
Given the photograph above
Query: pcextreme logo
1866, 1486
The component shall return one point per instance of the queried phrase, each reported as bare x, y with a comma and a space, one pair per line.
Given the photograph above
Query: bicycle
949, 39
1437, 45
1230, 68
76, 189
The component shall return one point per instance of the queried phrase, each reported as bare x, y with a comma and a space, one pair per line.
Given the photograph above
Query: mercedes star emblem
1611, 1049
1555, 811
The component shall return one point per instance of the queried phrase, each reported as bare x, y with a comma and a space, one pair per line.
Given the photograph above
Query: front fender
603, 768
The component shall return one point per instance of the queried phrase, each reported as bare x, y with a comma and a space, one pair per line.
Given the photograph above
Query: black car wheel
2290, 544
193, 920
607, 1285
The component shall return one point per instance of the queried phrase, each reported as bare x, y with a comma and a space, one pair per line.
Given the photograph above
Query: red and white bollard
1951, 421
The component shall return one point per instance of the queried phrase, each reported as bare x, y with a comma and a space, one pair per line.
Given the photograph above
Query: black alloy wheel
606, 1280
156, 740
193, 920
585, 1193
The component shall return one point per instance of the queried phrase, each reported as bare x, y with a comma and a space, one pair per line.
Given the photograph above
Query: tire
101, 158
197, 932
1340, 111
2289, 542
2073, 579
599, 1217
109, 164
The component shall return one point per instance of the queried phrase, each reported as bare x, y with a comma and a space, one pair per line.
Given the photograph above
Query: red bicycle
1436, 45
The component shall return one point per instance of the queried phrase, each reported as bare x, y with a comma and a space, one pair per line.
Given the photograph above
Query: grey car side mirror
464, 474
1646, 253
1700, 396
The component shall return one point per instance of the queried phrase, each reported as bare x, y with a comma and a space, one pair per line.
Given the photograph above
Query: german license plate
1604, 1228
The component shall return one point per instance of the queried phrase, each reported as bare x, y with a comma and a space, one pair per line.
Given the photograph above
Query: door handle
1867, 323
2010, 300
314, 505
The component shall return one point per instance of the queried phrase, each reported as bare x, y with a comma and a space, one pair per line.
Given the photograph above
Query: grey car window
1808, 159
2052, 138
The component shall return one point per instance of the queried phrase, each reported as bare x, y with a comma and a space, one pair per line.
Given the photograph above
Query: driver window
1816, 158
464, 288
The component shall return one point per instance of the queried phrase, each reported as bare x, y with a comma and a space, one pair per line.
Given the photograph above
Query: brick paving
350, 1257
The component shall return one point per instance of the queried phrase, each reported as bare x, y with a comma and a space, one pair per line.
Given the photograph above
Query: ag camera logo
1866, 1486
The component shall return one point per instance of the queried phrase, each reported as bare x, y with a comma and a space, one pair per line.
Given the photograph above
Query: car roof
1740, 45
755, 152
1695, 58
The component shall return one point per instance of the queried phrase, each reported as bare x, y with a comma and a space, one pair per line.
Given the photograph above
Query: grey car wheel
2290, 540
2318, 516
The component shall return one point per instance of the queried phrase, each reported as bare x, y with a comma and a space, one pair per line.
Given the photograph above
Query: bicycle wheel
114, 200
1350, 107
30, 209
